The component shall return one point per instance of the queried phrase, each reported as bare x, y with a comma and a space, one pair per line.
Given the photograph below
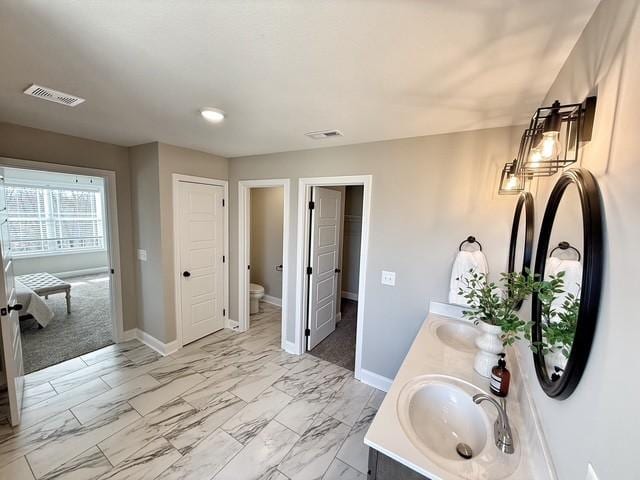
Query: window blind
48, 220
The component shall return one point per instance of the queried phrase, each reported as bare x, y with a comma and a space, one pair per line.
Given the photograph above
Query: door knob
186, 274
278, 268
17, 307
338, 270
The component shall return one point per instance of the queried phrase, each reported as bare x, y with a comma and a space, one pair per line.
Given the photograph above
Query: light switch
142, 255
389, 278
591, 473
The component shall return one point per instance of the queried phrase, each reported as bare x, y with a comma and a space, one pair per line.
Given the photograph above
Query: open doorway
263, 212
338, 345
333, 232
59, 249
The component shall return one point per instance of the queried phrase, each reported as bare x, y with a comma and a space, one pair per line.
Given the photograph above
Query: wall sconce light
512, 182
554, 136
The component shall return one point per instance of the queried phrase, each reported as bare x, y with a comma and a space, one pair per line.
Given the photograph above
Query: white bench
45, 284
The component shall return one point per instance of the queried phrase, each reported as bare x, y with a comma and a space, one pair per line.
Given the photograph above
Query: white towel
572, 278
465, 261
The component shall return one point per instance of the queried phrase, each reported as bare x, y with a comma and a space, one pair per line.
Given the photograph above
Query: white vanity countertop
429, 355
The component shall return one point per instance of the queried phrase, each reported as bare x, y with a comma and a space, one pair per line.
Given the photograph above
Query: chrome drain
464, 451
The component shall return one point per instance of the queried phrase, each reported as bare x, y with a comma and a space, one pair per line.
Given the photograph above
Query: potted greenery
493, 308
559, 322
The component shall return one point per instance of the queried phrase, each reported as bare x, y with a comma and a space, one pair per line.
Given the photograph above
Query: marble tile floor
229, 406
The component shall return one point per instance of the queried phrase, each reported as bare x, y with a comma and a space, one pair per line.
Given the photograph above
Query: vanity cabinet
382, 467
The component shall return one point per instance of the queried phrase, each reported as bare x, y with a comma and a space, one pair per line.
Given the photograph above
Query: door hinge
248, 267
224, 258
224, 312
309, 270
307, 332
113, 271
312, 205
223, 202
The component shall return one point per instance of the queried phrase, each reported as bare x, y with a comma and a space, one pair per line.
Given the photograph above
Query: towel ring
566, 246
470, 239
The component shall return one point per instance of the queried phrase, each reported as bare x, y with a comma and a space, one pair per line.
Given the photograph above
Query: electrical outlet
389, 278
142, 255
591, 473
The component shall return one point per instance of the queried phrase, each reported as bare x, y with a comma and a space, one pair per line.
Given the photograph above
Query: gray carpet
88, 328
340, 346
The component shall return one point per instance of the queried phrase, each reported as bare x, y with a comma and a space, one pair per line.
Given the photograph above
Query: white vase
489, 344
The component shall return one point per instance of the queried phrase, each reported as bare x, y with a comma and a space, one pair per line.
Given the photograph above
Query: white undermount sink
437, 414
457, 335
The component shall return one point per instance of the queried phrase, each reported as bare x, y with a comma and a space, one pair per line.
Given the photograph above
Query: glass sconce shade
512, 182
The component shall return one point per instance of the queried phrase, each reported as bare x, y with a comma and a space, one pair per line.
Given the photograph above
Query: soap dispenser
500, 377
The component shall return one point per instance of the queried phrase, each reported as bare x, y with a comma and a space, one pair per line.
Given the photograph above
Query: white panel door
11, 341
323, 285
201, 250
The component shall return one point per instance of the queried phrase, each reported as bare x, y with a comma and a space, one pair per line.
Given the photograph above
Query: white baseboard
79, 273
350, 296
152, 342
375, 380
272, 300
232, 324
290, 347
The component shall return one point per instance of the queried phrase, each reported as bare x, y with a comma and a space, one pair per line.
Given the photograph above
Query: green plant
558, 325
496, 304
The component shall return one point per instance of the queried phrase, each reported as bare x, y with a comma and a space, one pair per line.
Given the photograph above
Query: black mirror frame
525, 201
593, 240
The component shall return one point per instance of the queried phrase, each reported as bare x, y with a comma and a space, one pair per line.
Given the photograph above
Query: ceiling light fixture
213, 115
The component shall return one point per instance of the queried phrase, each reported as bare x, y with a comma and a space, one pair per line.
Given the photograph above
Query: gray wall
187, 162
352, 238
266, 238
428, 194
146, 222
152, 166
32, 144
598, 423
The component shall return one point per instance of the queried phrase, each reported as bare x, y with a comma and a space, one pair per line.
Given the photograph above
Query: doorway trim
302, 250
244, 219
111, 235
175, 179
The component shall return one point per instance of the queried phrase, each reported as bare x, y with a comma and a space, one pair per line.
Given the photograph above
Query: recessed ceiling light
214, 115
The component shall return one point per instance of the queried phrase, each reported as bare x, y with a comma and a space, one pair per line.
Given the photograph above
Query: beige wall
266, 238
352, 238
39, 145
428, 194
598, 423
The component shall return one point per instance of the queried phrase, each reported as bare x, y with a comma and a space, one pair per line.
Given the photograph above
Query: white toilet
256, 292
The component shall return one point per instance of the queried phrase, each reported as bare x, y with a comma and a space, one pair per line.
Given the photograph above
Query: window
49, 220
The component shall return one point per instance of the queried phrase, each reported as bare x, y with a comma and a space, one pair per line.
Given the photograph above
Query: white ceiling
373, 69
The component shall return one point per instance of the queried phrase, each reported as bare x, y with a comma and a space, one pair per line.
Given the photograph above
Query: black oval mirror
521, 242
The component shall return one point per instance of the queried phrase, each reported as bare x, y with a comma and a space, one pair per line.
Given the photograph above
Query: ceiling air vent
53, 95
324, 134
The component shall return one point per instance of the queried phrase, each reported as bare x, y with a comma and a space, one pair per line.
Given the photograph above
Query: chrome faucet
501, 429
